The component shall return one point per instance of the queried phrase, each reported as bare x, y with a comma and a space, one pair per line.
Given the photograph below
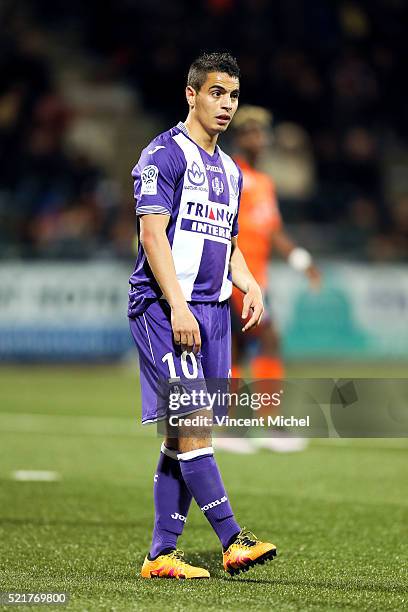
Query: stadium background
83, 87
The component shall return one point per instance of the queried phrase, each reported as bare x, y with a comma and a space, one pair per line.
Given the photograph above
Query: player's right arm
156, 246
156, 176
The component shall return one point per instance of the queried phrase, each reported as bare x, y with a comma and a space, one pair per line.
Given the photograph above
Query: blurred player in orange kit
261, 230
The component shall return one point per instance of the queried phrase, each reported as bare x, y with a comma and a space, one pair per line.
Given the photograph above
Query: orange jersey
259, 217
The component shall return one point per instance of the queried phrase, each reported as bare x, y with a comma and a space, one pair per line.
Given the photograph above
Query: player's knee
187, 444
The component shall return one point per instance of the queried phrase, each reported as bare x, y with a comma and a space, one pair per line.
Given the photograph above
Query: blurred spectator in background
290, 160
55, 200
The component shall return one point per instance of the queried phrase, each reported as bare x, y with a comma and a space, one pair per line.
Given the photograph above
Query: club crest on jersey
195, 176
234, 184
149, 180
217, 185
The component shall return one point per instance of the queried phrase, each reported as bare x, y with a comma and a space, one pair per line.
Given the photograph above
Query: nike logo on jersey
156, 149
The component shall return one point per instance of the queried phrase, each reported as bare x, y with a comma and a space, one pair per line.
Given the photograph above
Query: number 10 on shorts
189, 365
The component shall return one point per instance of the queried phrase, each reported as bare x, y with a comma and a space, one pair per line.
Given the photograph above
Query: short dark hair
211, 62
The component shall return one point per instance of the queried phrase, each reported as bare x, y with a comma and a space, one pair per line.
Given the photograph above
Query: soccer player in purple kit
187, 193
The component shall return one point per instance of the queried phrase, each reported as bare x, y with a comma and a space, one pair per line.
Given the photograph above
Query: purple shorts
160, 359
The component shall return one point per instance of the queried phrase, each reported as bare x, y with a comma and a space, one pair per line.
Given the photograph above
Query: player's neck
196, 132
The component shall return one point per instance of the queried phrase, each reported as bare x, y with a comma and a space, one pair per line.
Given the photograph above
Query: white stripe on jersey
188, 247
153, 209
231, 171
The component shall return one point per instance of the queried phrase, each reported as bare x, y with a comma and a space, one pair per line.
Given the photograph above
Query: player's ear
190, 96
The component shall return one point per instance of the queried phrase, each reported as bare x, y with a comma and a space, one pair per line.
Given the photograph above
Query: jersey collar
181, 126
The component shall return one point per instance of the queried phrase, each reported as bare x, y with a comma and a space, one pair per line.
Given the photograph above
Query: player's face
253, 138
216, 102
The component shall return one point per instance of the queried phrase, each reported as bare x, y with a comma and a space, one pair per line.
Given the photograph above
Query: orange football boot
171, 565
247, 551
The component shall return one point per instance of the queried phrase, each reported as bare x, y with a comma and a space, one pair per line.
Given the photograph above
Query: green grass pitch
337, 512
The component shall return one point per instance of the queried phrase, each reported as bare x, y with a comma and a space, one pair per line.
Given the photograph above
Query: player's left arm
242, 278
300, 259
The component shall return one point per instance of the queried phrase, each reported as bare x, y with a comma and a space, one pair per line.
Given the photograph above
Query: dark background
85, 85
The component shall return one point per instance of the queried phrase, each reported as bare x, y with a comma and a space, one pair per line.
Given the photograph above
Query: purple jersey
200, 193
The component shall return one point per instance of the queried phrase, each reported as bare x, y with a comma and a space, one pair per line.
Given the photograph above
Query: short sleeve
235, 226
155, 178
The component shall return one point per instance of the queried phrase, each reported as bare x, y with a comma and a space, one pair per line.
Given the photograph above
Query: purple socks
179, 477
172, 500
202, 476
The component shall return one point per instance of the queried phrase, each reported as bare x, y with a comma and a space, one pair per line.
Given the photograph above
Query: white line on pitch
369, 443
35, 475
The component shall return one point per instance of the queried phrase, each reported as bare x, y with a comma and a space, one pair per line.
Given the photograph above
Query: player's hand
314, 276
253, 307
186, 331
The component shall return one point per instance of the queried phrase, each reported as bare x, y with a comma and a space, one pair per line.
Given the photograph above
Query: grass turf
337, 512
